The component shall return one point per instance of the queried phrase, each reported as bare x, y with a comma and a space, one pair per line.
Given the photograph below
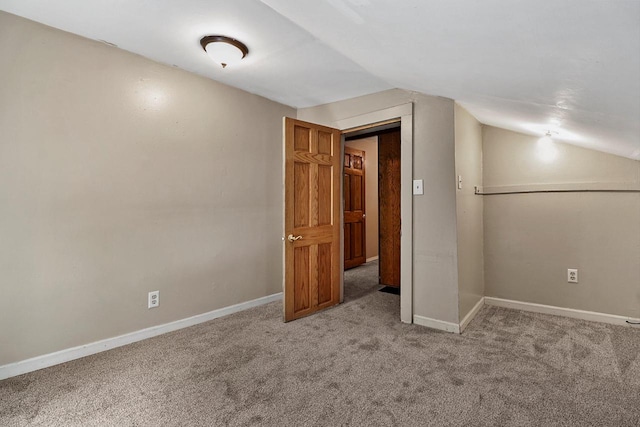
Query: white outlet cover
572, 275
154, 299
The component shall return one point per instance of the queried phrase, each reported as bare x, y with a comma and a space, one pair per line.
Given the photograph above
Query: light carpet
354, 365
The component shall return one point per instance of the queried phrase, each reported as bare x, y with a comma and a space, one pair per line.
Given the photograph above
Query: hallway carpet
353, 365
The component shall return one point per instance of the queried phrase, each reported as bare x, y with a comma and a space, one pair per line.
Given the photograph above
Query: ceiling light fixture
224, 50
546, 149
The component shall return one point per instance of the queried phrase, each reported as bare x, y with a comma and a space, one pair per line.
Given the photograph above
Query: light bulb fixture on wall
546, 149
547, 137
224, 50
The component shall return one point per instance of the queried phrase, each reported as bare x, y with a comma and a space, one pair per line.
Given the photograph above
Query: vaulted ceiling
570, 66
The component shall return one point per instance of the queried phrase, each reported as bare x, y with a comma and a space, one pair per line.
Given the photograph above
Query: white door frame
405, 113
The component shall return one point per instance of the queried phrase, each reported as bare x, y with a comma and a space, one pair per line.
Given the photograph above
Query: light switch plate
418, 187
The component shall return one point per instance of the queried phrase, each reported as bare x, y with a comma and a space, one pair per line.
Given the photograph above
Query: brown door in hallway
312, 218
389, 207
354, 218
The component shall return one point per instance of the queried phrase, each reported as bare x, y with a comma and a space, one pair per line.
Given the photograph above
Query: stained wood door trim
389, 211
405, 113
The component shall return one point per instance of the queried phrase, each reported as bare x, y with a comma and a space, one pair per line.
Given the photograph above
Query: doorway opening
387, 117
372, 210
313, 250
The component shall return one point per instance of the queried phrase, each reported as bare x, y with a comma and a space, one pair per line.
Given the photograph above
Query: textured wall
530, 240
119, 176
469, 210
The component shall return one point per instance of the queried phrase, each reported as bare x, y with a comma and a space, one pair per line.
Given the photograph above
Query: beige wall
530, 240
435, 265
469, 211
370, 147
119, 176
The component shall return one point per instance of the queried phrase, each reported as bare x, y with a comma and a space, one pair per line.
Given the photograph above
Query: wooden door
354, 217
312, 218
389, 207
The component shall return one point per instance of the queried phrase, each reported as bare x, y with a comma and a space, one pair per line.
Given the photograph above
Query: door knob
293, 239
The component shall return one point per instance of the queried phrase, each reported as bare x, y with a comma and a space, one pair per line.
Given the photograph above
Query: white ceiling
571, 66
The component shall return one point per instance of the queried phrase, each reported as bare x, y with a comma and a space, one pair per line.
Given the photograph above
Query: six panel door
312, 218
354, 203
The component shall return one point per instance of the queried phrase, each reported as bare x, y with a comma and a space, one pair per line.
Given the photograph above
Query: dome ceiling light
224, 50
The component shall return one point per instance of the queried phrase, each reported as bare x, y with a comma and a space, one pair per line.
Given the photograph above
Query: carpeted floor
354, 365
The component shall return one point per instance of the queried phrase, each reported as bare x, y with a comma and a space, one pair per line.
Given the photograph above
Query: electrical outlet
154, 299
572, 275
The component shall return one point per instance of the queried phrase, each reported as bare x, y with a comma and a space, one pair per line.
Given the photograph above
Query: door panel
312, 218
325, 176
358, 236
356, 193
354, 217
301, 203
324, 273
389, 207
301, 282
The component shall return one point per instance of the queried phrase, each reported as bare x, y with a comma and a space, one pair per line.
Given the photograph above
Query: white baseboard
436, 324
593, 316
471, 314
62, 356
373, 258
